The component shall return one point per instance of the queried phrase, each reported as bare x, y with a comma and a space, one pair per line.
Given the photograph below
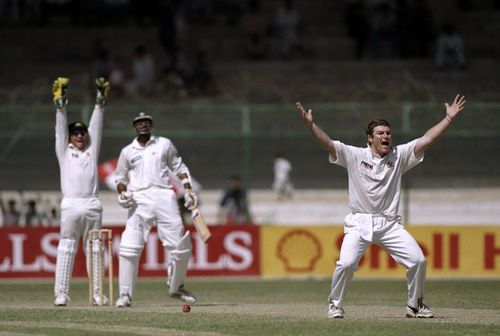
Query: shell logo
299, 250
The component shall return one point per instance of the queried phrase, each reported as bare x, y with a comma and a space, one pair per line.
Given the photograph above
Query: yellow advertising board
313, 250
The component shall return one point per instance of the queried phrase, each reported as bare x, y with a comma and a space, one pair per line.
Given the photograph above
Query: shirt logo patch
366, 165
75, 155
390, 164
135, 159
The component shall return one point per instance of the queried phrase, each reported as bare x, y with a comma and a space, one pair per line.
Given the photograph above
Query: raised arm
59, 91
321, 137
437, 130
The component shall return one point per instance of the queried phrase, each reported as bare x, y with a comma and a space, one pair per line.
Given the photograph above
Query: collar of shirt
375, 157
137, 145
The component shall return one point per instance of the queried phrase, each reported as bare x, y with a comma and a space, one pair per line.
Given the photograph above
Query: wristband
185, 181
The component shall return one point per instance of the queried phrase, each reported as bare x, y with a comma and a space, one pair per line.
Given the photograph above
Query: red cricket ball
186, 308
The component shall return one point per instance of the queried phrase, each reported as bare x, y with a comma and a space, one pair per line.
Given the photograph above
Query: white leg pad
128, 268
178, 264
66, 251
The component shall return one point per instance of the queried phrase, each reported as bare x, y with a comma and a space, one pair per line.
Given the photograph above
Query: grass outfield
254, 307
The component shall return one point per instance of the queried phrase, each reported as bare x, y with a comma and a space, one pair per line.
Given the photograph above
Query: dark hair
374, 123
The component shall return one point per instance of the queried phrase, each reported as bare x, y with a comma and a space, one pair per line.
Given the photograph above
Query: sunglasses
78, 132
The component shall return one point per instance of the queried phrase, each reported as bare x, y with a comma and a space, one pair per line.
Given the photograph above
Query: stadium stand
252, 113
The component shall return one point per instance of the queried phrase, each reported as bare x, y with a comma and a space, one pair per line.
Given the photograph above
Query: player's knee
67, 246
182, 252
130, 251
419, 260
346, 266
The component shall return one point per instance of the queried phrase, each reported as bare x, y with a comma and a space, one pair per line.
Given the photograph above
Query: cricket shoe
334, 311
123, 301
184, 295
423, 311
97, 300
61, 300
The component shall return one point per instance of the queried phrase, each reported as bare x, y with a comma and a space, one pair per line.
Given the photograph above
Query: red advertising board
233, 250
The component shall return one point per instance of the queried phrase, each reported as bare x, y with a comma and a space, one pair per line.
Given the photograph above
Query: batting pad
128, 268
66, 251
178, 264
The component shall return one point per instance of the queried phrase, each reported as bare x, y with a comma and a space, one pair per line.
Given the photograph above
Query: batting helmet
141, 117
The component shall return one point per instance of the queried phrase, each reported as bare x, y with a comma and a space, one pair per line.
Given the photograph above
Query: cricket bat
200, 225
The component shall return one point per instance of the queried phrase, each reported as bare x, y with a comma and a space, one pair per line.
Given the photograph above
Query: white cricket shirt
375, 182
144, 167
282, 168
78, 169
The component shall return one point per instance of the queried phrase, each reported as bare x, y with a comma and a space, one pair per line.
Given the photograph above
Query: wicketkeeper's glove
125, 199
59, 91
103, 88
190, 199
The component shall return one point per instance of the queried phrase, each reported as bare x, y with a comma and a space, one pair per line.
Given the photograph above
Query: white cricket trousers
151, 206
394, 239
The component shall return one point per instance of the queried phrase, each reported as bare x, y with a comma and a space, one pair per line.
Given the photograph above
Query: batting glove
59, 91
125, 199
190, 199
103, 88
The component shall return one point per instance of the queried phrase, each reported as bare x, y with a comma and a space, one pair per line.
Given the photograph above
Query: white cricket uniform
374, 193
282, 169
81, 209
145, 171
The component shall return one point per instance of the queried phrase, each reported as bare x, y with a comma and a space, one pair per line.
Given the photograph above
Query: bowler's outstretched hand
457, 106
306, 116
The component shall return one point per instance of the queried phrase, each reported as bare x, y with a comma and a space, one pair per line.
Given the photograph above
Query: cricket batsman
144, 188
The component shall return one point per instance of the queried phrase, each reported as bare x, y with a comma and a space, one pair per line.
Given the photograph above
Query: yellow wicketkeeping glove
59, 91
103, 88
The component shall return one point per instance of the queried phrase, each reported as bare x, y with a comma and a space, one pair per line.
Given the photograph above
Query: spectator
358, 26
173, 82
10, 214
143, 72
32, 217
53, 217
423, 28
382, 22
231, 10
201, 81
255, 29
234, 203
403, 30
450, 50
286, 23
171, 24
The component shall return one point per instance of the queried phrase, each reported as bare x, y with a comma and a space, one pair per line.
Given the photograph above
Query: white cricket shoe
97, 300
184, 295
334, 311
61, 300
123, 301
423, 311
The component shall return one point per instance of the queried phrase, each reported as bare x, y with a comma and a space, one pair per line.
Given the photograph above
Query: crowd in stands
277, 30
402, 29
22, 211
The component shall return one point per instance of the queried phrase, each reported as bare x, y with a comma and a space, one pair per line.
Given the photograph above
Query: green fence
217, 140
